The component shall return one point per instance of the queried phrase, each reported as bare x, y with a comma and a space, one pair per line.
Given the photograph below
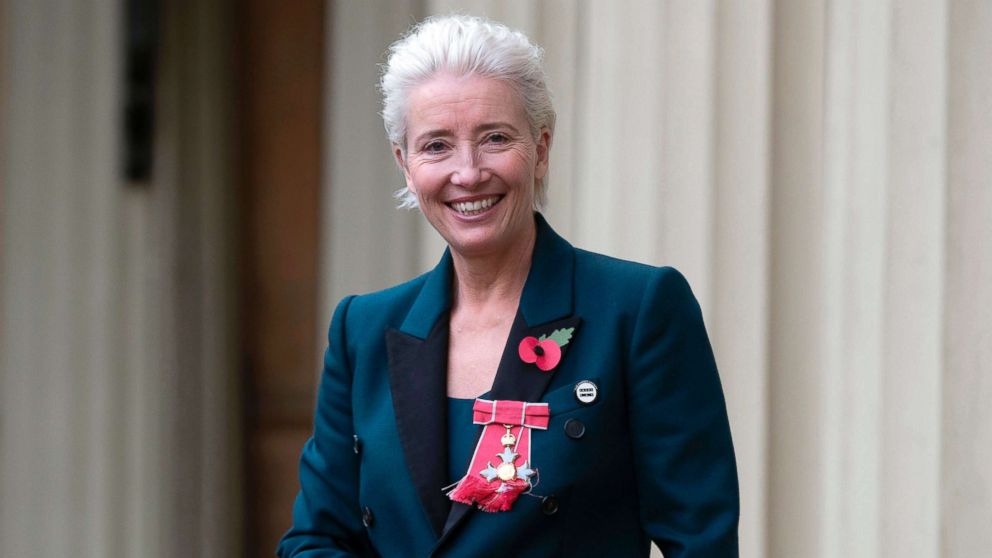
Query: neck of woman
493, 280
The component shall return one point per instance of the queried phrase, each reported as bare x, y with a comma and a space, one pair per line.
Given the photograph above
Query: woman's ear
543, 150
401, 163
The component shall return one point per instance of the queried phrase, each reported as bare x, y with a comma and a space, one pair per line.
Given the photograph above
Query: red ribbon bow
516, 413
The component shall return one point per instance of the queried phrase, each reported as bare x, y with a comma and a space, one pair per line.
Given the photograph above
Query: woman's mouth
475, 207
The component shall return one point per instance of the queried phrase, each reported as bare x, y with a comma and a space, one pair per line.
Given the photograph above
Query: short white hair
464, 45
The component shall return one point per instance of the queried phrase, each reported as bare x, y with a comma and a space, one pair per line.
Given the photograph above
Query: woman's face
472, 162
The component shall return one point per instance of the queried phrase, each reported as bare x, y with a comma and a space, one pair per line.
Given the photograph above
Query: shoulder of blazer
629, 279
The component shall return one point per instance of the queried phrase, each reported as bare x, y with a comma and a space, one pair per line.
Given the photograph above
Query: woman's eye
434, 147
498, 138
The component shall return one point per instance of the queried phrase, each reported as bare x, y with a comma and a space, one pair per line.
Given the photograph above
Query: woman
524, 398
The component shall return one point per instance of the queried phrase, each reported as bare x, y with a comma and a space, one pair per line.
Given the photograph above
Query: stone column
966, 473
118, 400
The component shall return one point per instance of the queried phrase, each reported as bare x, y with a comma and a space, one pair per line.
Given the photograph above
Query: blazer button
358, 445
549, 505
367, 518
575, 429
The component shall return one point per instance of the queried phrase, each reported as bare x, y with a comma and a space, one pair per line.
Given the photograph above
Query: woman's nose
468, 172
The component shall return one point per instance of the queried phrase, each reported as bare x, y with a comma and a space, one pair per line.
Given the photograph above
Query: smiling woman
473, 164
523, 386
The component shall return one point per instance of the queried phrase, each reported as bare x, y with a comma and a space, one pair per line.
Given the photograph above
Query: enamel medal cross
507, 471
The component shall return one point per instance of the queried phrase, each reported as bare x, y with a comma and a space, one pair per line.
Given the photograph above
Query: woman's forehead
464, 101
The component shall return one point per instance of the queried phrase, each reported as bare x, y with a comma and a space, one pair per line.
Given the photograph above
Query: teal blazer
650, 459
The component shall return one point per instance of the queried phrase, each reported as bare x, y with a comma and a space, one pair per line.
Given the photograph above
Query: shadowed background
189, 187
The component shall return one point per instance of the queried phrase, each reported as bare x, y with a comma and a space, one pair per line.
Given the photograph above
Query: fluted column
966, 477
62, 476
913, 298
118, 399
796, 462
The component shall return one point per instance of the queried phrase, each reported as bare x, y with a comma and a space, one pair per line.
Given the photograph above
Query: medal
500, 469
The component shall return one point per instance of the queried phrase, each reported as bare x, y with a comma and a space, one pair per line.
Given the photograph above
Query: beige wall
820, 170
118, 404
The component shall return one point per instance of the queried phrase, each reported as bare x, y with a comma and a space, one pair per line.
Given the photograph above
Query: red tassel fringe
475, 490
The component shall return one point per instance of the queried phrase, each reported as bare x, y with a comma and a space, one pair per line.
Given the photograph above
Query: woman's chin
472, 230
476, 244
475, 239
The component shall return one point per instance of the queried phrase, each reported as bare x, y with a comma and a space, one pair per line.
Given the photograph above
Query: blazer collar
433, 301
418, 358
547, 294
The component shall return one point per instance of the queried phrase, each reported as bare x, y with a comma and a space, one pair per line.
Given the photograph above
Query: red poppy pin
545, 351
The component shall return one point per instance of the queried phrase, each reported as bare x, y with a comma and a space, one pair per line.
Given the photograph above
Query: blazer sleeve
326, 516
684, 456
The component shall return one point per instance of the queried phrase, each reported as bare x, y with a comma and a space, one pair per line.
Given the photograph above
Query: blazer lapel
418, 363
546, 304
